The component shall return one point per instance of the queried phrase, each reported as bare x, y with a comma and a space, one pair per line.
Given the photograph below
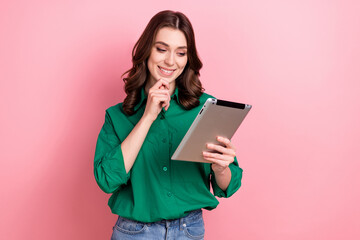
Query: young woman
157, 198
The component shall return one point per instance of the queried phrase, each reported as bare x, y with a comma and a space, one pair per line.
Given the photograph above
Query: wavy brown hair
188, 83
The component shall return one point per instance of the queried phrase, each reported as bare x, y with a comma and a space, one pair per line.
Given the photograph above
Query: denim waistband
191, 217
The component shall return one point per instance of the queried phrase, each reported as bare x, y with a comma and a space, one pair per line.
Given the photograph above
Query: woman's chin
169, 80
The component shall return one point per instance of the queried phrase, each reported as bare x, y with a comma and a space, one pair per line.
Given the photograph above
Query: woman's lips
166, 71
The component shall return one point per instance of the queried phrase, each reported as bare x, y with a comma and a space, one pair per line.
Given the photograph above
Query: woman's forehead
171, 37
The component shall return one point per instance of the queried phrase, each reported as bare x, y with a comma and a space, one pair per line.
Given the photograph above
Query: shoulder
115, 110
120, 121
116, 113
204, 97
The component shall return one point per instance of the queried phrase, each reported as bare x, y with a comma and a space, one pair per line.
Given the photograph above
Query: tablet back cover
216, 118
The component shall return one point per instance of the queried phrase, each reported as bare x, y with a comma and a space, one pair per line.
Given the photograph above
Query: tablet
216, 118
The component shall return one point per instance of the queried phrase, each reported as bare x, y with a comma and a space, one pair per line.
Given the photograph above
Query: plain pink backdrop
297, 62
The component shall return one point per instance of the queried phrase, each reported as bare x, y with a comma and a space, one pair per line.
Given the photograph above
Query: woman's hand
224, 156
158, 97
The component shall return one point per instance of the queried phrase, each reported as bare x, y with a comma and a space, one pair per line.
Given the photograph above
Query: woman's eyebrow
167, 45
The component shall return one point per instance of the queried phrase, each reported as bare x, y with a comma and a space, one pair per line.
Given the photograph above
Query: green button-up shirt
156, 187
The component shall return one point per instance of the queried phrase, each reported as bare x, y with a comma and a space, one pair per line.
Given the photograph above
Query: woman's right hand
158, 97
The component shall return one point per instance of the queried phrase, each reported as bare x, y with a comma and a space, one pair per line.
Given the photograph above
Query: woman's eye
182, 54
160, 49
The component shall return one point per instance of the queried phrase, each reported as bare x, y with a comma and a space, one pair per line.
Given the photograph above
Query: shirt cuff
114, 161
235, 182
109, 167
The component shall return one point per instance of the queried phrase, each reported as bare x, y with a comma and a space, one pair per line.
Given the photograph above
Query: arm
158, 97
109, 170
113, 158
130, 147
223, 178
225, 168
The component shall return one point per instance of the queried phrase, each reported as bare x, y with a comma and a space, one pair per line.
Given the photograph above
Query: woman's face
168, 55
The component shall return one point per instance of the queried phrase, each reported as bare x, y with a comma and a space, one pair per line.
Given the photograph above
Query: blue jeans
188, 227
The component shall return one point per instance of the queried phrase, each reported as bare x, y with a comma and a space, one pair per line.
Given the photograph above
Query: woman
157, 198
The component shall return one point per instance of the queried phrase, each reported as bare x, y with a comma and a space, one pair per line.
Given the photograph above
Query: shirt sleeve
235, 182
109, 168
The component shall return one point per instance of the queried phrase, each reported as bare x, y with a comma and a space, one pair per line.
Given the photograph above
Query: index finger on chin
158, 85
164, 83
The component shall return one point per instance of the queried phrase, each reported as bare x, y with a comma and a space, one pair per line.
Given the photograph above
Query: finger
157, 85
161, 82
164, 95
167, 106
221, 149
226, 142
153, 92
213, 155
164, 83
161, 99
159, 91
217, 162
221, 157
162, 91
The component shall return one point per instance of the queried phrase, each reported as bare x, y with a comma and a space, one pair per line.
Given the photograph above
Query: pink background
297, 62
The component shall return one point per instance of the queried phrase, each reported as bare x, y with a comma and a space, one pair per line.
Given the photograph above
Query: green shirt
156, 187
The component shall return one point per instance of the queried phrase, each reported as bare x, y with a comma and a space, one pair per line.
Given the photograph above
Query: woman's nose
169, 59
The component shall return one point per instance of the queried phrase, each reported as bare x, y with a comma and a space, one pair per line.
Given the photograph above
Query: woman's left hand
224, 156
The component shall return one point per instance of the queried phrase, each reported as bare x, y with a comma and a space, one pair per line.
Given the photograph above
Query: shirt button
165, 169
169, 194
164, 140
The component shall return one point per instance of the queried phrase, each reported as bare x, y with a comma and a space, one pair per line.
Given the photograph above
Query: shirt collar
143, 98
175, 95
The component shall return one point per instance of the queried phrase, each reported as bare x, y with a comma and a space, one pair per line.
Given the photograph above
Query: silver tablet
216, 118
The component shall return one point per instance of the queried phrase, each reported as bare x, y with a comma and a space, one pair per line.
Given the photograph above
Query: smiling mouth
165, 71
